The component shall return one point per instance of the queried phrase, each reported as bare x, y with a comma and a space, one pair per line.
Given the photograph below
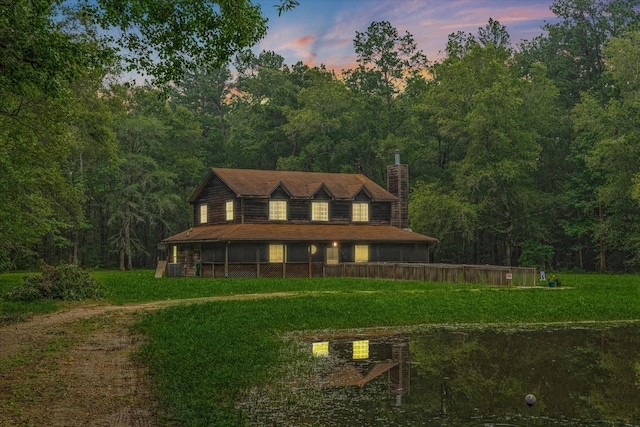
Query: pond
444, 376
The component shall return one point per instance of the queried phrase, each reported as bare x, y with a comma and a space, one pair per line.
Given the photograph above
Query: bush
67, 282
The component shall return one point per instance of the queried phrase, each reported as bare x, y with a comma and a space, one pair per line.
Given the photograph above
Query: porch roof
298, 232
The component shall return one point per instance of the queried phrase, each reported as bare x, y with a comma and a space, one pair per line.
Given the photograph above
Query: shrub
67, 282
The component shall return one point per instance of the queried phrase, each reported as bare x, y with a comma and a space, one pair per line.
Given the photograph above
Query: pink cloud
300, 42
322, 31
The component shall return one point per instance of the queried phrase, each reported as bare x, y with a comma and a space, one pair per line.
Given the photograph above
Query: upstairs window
277, 210
229, 210
360, 212
203, 214
319, 211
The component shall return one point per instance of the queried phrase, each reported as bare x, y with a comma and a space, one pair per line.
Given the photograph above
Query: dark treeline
521, 153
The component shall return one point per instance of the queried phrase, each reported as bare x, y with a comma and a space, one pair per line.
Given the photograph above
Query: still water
580, 376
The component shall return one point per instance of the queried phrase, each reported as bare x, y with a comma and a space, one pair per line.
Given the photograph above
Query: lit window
174, 255
203, 214
278, 210
321, 348
332, 256
361, 349
360, 212
361, 253
276, 253
319, 211
229, 210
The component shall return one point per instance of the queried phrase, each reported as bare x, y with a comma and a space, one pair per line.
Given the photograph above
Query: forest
523, 153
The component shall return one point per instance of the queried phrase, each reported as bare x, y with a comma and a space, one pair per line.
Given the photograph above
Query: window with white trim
319, 211
361, 253
276, 253
203, 214
229, 210
277, 210
360, 212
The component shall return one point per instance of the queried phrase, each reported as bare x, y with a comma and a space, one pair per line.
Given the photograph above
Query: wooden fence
448, 273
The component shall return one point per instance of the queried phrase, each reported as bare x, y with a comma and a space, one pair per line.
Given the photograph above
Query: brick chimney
398, 185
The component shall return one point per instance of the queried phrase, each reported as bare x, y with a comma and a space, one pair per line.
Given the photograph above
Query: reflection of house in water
357, 361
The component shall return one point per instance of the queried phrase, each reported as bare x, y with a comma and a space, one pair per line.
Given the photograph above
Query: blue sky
322, 31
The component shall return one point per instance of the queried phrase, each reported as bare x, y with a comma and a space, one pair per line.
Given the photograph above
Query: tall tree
611, 131
488, 130
386, 59
39, 112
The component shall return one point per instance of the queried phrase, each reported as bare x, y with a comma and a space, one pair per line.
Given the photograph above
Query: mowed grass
204, 356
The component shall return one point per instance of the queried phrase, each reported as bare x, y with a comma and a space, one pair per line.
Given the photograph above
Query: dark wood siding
380, 213
321, 195
279, 194
299, 211
362, 197
215, 195
255, 211
340, 212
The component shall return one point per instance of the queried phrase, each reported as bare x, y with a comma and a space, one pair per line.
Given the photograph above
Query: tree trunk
121, 266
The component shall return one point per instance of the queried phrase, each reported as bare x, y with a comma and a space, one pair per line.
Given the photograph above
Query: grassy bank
204, 356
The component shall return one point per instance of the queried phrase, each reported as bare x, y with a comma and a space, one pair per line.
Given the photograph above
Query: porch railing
448, 273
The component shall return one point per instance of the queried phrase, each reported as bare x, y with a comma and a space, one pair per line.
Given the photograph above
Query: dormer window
229, 210
203, 214
320, 211
360, 212
277, 210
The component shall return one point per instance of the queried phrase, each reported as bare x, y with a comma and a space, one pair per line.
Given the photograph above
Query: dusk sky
322, 31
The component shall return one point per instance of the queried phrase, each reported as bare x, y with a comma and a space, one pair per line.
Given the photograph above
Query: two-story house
264, 223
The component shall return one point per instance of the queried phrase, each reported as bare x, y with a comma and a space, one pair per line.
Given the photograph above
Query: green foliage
166, 38
67, 282
536, 255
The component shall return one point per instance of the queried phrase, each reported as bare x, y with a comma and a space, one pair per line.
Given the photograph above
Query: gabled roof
298, 232
300, 185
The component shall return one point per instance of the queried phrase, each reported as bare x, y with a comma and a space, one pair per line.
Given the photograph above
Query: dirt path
74, 368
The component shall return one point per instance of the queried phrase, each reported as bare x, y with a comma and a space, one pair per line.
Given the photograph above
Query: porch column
226, 260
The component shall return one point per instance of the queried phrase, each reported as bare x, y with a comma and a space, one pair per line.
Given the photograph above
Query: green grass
204, 356
141, 286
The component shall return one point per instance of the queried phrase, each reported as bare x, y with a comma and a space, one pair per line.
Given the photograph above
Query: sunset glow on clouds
322, 31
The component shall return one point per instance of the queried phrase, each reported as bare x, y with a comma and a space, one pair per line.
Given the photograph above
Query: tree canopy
518, 155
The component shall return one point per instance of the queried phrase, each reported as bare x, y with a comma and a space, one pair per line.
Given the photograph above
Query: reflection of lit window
277, 210
229, 210
360, 212
321, 348
361, 349
361, 253
203, 214
276, 253
320, 211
